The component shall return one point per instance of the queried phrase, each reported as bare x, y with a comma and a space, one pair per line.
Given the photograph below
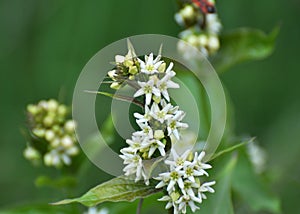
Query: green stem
139, 208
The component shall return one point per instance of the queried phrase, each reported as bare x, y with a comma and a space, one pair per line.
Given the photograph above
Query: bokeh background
44, 44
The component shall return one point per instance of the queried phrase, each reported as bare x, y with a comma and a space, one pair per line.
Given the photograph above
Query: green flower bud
67, 141
128, 63
162, 67
49, 135
48, 121
202, 40
48, 159
39, 132
70, 126
31, 153
33, 109
158, 134
175, 196
52, 105
156, 99
62, 110
115, 86
133, 70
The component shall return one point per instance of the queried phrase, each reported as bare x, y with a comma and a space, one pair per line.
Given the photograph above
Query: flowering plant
156, 167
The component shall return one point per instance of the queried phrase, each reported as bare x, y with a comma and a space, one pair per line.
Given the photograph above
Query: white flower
182, 182
160, 114
205, 187
156, 144
150, 66
142, 118
134, 143
177, 162
148, 89
166, 82
170, 179
94, 210
199, 165
171, 201
184, 201
174, 124
134, 165
146, 132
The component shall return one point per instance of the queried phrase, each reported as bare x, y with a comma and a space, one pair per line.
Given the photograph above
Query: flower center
148, 89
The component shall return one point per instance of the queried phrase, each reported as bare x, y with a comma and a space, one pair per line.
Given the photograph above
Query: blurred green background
44, 45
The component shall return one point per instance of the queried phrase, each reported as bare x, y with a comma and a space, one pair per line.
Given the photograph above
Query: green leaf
251, 188
232, 148
220, 201
114, 190
244, 44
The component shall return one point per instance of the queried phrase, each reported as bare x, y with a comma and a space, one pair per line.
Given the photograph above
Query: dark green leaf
220, 201
114, 190
242, 45
251, 188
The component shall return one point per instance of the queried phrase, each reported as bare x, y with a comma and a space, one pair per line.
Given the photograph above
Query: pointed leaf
251, 188
242, 45
220, 201
232, 148
114, 190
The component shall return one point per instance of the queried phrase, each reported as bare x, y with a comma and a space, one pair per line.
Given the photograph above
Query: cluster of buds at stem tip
201, 27
160, 124
53, 137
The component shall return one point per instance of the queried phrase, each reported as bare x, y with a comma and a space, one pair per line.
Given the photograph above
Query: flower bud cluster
53, 135
201, 29
183, 182
126, 68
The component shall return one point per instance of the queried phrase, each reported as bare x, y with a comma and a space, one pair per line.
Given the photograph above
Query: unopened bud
32, 109
133, 70
52, 105
49, 135
39, 132
159, 134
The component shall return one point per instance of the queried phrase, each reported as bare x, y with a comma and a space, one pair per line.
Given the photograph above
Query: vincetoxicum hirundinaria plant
152, 161
184, 178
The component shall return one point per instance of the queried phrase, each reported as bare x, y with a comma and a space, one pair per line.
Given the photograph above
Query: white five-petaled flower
150, 66
155, 144
148, 89
166, 82
160, 114
134, 165
182, 182
142, 118
174, 124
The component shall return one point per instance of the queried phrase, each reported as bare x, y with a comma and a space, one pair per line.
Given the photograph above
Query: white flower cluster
94, 210
53, 135
160, 120
159, 128
201, 29
183, 183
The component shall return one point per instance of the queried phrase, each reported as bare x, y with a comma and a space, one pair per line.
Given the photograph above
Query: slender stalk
139, 208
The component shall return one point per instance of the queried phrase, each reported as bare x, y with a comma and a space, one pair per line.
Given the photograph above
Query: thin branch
139, 208
118, 97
